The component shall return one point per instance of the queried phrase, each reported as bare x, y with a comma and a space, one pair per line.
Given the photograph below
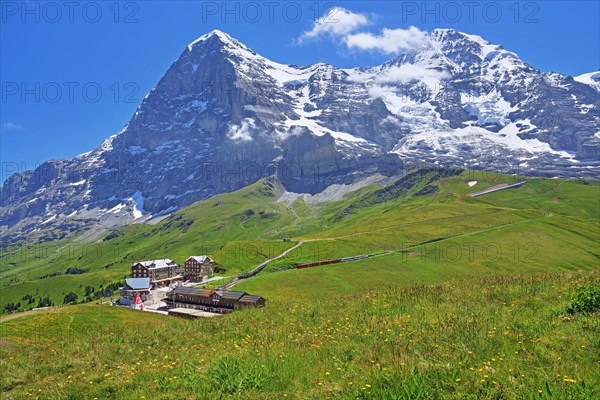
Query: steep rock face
223, 117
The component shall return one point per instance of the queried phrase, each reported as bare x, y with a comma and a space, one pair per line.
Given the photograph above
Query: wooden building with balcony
161, 272
198, 267
221, 301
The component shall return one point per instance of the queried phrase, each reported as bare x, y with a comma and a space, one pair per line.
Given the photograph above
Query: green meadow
495, 337
490, 297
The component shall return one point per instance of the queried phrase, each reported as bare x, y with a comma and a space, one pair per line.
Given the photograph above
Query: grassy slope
479, 338
493, 326
546, 225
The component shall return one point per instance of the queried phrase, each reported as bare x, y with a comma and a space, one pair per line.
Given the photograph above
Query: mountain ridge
223, 116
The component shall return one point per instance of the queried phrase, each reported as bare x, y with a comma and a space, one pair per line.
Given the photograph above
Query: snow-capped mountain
223, 117
591, 78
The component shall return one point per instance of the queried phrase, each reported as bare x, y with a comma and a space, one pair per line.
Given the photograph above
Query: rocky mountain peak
217, 40
223, 117
215, 36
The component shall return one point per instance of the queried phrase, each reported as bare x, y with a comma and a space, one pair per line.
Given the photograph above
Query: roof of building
191, 290
230, 294
248, 298
225, 294
199, 259
152, 264
138, 283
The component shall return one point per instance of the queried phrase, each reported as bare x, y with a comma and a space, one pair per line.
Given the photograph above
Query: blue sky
73, 75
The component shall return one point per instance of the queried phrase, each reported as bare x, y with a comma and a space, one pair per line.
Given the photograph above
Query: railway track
261, 266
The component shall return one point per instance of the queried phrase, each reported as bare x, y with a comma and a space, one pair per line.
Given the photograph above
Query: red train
317, 263
335, 261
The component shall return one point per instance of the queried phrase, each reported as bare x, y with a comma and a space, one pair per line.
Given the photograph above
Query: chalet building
160, 272
133, 287
220, 301
198, 267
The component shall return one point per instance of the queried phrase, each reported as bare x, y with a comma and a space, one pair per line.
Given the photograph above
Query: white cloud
337, 22
243, 132
409, 72
10, 126
390, 41
343, 26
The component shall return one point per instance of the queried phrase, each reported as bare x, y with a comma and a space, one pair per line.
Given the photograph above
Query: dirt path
260, 266
290, 206
9, 317
496, 188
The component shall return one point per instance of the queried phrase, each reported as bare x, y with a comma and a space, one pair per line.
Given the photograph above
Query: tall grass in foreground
494, 338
